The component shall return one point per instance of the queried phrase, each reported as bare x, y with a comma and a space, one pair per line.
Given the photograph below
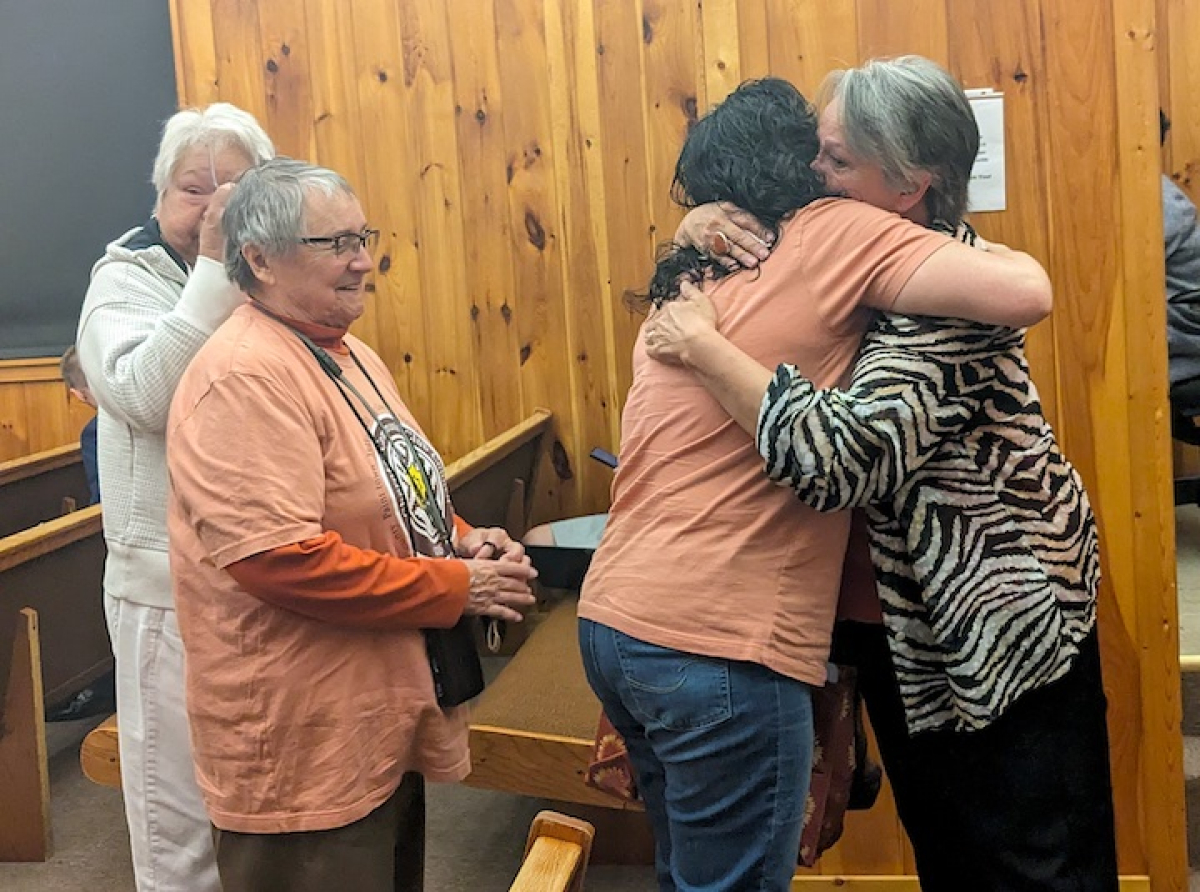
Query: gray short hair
910, 115
219, 126
267, 210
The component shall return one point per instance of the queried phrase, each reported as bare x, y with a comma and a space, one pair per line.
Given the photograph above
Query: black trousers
1023, 805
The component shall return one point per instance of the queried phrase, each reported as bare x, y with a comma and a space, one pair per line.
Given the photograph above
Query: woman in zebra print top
985, 688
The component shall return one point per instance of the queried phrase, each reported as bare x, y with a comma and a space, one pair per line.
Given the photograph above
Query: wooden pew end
556, 854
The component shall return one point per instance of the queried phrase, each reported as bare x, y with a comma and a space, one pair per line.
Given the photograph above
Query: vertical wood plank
1000, 47
1090, 343
479, 114
809, 38
628, 186
579, 174
289, 108
1183, 90
389, 178
722, 50
453, 410
1163, 819
240, 65
886, 28
194, 43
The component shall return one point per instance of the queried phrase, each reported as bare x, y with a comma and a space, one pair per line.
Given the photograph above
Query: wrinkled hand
732, 236
670, 331
491, 543
212, 235
499, 589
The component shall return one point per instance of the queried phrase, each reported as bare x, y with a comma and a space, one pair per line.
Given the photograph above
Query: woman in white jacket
156, 295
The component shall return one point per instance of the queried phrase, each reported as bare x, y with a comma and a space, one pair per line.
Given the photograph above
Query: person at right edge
983, 680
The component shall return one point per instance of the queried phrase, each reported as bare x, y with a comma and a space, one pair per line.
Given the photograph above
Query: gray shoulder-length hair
219, 126
267, 210
910, 115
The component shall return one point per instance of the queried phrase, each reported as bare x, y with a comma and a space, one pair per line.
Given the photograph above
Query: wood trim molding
477, 461
46, 537
20, 371
38, 463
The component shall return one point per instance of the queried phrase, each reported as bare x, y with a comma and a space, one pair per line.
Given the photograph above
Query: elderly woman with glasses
156, 295
313, 549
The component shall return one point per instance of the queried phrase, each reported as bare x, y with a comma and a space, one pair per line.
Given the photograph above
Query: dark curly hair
753, 150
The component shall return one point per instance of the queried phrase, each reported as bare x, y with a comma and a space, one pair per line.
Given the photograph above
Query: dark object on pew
604, 457
560, 567
99, 698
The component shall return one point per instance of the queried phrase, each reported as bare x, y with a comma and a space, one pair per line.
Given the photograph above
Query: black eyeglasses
344, 241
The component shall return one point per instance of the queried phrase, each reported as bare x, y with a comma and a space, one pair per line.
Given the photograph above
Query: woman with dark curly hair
978, 659
706, 615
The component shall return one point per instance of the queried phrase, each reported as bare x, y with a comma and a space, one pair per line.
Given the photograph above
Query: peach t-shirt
702, 553
297, 724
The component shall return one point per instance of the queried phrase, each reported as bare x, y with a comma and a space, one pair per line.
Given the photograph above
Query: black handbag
454, 661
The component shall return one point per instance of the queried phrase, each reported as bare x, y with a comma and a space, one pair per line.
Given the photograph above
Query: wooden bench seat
532, 728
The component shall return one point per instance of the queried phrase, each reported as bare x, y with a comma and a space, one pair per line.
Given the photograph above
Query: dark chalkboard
84, 88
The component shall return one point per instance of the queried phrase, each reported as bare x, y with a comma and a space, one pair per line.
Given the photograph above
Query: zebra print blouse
982, 536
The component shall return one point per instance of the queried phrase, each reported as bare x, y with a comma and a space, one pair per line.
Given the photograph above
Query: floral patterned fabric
834, 763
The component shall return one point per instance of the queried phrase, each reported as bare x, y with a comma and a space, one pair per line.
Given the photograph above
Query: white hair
267, 210
909, 115
219, 126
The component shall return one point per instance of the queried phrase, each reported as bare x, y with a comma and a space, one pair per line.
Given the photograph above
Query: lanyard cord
345, 388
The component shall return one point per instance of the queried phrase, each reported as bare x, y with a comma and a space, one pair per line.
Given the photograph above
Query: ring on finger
719, 244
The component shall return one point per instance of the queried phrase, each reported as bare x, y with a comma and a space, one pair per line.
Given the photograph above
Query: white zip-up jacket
143, 319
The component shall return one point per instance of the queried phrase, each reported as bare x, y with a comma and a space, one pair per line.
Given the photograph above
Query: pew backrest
40, 487
493, 486
57, 568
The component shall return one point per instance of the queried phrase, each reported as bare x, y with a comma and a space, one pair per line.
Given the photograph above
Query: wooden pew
556, 854
24, 773
57, 568
41, 487
490, 486
53, 642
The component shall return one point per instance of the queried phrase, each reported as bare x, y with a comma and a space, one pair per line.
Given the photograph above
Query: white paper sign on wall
986, 191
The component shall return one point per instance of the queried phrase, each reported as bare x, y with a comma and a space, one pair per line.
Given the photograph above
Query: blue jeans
722, 751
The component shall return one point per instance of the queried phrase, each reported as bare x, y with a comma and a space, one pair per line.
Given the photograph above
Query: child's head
72, 374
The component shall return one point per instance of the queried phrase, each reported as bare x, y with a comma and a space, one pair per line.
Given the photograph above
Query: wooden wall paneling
14, 422
1182, 93
670, 29
389, 181
1163, 815
628, 187
240, 66
999, 46
1085, 246
754, 28
721, 59
453, 409
283, 51
916, 26
479, 113
592, 358
809, 38
195, 43
331, 60
50, 417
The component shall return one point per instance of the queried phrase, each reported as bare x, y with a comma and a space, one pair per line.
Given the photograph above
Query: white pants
169, 832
